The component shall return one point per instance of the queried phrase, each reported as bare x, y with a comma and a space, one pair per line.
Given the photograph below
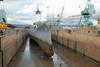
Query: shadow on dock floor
30, 55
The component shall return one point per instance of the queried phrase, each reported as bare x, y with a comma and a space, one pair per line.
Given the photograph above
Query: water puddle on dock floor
31, 55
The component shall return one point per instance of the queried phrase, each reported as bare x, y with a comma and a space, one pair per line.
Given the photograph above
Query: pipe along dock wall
46, 47
10, 44
86, 44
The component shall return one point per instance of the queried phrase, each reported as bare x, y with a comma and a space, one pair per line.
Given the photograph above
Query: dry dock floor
31, 55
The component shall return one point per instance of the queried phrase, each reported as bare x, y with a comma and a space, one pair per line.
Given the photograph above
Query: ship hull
42, 36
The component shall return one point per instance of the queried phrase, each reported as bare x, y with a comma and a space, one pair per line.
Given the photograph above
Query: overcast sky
23, 11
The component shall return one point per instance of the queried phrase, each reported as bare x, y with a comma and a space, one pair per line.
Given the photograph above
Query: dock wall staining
10, 44
88, 45
0, 59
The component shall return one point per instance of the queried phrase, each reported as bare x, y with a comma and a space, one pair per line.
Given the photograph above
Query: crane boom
62, 12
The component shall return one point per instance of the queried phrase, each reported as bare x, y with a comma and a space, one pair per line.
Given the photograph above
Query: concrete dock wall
88, 45
10, 44
0, 59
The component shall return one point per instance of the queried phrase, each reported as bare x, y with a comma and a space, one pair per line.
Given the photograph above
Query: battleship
43, 40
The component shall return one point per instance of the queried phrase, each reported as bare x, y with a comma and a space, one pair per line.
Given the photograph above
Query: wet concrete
31, 55
73, 58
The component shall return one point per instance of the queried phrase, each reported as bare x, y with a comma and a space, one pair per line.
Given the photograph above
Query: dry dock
19, 52
30, 55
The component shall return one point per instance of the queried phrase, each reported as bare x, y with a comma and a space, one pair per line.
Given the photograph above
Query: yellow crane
3, 26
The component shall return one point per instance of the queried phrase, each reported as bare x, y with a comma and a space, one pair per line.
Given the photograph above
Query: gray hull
42, 35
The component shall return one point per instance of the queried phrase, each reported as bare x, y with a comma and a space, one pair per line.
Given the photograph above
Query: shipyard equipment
3, 24
59, 16
84, 38
38, 11
86, 15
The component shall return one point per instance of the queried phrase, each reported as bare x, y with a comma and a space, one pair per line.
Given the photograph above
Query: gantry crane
86, 14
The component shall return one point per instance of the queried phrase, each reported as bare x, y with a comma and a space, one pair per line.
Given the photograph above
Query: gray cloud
24, 9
